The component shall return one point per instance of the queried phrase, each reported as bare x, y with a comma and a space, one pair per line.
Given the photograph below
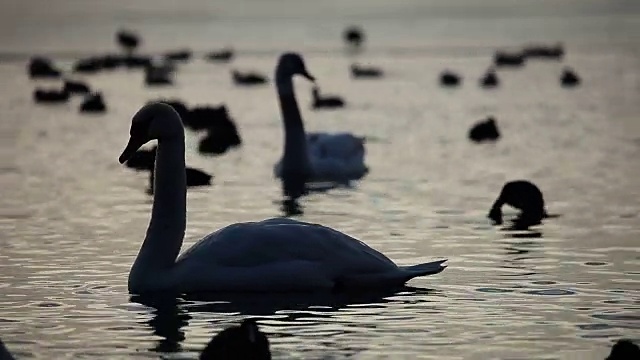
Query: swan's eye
139, 128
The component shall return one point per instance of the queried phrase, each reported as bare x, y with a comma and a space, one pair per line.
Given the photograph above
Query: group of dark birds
247, 342
517, 59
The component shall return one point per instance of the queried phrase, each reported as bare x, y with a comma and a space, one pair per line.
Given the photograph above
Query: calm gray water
72, 218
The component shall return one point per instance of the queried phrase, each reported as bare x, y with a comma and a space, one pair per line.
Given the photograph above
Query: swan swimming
274, 255
314, 157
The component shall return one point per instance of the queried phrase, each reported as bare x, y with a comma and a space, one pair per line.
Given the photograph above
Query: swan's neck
168, 216
295, 138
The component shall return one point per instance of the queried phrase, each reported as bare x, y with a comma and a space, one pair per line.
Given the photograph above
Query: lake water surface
72, 219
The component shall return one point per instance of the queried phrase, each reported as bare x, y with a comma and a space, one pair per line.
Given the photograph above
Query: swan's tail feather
395, 278
429, 268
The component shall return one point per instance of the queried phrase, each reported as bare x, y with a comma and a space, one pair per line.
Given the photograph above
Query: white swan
275, 255
314, 157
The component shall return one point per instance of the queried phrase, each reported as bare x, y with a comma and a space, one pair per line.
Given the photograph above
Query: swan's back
276, 240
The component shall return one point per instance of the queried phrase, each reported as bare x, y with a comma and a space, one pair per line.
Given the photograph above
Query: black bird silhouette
522, 195
195, 177
449, 78
223, 55
569, 78
41, 67
544, 51
76, 87
128, 40
326, 101
51, 96
93, 103
251, 78
624, 350
512, 59
359, 71
353, 36
238, 343
178, 55
489, 79
485, 131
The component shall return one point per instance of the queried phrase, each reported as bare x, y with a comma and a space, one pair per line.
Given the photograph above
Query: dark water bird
489, 79
311, 158
51, 96
142, 159
360, 71
76, 87
511, 59
316, 258
209, 117
93, 103
242, 342
128, 40
90, 65
251, 78
326, 101
223, 55
624, 350
569, 78
158, 75
450, 79
195, 177
522, 195
136, 61
219, 140
485, 131
540, 51
178, 106
178, 55
41, 67
354, 36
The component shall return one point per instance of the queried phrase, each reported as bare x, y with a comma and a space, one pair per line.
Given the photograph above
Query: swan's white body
276, 255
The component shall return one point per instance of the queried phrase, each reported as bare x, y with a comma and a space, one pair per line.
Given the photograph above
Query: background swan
314, 157
272, 255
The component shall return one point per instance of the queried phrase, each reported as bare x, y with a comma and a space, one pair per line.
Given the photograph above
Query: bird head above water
154, 121
291, 64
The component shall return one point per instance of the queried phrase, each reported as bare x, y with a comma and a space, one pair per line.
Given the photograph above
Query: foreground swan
309, 158
275, 255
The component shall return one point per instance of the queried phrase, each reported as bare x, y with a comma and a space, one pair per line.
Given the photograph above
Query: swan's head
291, 64
154, 121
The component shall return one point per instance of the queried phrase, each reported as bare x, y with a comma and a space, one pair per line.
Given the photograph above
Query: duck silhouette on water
361, 71
250, 78
354, 37
325, 102
93, 103
624, 350
41, 67
128, 40
522, 195
224, 55
569, 78
76, 87
485, 131
490, 79
51, 96
450, 79
510, 59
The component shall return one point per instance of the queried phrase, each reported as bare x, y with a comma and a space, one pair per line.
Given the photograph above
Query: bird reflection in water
170, 311
290, 206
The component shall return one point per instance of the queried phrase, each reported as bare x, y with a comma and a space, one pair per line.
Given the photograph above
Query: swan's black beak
132, 146
308, 76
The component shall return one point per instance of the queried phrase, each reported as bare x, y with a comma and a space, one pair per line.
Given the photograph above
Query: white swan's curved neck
168, 216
